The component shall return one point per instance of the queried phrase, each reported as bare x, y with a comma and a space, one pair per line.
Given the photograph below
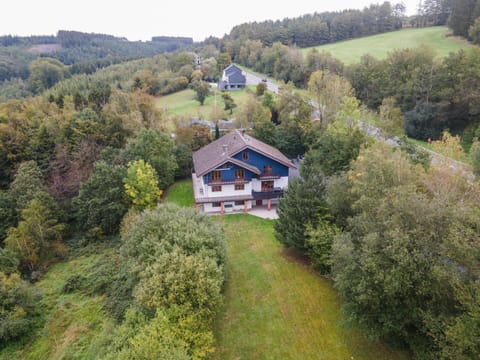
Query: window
216, 176
245, 156
267, 185
239, 203
239, 174
216, 204
267, 170
216, 188
239, 186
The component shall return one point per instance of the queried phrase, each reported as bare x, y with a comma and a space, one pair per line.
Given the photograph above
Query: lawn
183, 103
181, 193
276, 307
379, 46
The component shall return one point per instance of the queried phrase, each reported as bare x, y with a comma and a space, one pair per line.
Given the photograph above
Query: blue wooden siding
229, 174
259, 161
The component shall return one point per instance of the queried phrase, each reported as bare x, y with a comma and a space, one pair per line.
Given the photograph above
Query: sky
142, 19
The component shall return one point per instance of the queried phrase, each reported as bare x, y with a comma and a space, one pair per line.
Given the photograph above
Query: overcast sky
142, 19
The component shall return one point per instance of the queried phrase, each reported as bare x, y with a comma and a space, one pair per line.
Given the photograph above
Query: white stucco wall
227, 190
210, 208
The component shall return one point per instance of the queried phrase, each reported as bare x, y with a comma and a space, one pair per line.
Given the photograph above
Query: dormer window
245, 156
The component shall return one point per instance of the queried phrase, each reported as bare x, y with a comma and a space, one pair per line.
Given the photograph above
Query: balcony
269, 176
265, 195
228, 182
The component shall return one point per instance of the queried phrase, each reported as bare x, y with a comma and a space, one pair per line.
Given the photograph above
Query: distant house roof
225, 148
234, 75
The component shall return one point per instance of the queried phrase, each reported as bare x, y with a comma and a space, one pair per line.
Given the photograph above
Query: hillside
380, 45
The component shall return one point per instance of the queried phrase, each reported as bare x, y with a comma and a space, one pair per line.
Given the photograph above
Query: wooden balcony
265, 195
228, 182
269, 176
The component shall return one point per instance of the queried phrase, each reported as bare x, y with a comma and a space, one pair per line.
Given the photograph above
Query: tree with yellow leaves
141, 185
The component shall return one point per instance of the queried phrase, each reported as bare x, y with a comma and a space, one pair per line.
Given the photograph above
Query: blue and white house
237, 172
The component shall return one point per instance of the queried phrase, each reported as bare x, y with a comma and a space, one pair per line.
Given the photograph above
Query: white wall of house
227, 190
229, 206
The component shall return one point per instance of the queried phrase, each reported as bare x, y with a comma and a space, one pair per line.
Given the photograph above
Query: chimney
242, 131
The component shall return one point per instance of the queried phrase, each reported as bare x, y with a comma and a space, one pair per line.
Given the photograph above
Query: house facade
233, 78
238, 172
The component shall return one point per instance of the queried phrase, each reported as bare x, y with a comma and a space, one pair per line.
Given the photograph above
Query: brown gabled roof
223, 149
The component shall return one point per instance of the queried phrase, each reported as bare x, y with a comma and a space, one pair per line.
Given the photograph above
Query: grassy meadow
183, 103
276, 307
72, 325
350, 51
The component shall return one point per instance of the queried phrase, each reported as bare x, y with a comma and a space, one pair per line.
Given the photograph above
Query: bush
186, 280
18, 306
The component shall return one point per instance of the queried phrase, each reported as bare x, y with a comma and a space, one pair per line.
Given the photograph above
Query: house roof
235, 75
225, 148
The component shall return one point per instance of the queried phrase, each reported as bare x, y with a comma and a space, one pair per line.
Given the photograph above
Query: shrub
18, 306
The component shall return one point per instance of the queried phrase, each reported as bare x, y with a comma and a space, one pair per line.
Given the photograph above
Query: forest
85, 157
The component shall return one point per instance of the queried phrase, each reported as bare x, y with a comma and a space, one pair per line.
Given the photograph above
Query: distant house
237, 172
233, 78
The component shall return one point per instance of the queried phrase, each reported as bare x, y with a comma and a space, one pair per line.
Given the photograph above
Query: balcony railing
271, 194
269, 176
228, 182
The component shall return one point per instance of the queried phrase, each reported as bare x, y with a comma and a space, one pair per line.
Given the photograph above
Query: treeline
161, 74
88, 51
398, 236
321, 28
434, 94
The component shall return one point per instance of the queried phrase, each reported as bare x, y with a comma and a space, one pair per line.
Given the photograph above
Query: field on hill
379, 46
183, 103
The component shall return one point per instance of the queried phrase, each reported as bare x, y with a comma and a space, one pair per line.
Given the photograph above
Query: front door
267, 186
259, 202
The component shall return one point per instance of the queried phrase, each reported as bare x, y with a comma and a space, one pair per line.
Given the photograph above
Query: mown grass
181, 193
183, 103
379, 46
71, 325
276, 307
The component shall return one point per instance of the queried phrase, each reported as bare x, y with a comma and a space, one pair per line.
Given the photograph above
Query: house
233, 78
237, 172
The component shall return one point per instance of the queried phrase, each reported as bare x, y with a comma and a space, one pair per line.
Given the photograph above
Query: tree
229, 102
202, 90
141, 185
475, 157
183, 156
37, 239
44, 73
462, 16
404, 261
7, 213
319, 244
27, 183
260, 89
334, 150
157, 149
328, 90
302, 207
391, 117
474, 31
101, 201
